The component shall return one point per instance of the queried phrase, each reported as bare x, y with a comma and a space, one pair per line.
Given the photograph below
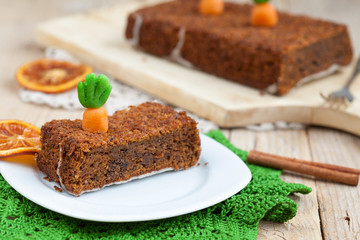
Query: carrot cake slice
142, 140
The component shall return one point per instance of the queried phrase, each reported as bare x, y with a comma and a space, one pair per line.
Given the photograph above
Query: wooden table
331, 211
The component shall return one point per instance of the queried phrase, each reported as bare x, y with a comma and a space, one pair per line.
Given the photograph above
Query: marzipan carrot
93, 93
264, 14
211, 7
95, 120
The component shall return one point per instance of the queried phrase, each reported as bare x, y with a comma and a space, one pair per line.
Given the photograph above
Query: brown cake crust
140, 140
230, 47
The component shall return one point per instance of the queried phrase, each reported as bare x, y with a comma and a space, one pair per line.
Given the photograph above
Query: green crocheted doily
235, 218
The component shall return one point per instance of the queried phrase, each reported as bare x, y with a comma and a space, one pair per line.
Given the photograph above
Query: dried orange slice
24, 159
51, 76
17, 137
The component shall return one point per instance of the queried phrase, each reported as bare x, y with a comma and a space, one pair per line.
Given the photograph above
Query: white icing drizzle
136, 30
272, 89
121, 182
176, 52
58, 168
333, 68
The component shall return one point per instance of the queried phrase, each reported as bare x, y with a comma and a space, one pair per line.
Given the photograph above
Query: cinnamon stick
331, 166
319, 170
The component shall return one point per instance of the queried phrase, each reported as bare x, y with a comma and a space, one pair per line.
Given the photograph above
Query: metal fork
344, 93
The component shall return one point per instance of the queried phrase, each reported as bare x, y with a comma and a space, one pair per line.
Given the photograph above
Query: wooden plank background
331, 211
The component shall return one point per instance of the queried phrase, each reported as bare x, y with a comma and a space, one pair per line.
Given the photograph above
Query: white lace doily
121, 97
275, 126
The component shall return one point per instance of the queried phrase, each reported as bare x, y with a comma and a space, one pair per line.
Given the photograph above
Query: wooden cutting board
97, 38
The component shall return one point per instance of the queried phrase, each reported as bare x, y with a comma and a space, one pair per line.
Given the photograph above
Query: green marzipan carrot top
261, 1
94, 91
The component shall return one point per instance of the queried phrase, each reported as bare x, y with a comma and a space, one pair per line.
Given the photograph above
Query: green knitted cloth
235, 218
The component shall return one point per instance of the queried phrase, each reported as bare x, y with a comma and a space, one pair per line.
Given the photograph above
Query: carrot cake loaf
141, 140
228, 45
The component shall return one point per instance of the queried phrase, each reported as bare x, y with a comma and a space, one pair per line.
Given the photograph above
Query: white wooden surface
331, 211
227, 103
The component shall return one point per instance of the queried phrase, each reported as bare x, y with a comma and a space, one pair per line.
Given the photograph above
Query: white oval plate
219, 175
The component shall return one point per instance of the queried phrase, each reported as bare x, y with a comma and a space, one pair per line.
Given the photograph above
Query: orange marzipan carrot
95, 120
211, 7
264, 14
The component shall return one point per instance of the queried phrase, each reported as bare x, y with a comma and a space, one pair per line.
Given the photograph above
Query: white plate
220, 175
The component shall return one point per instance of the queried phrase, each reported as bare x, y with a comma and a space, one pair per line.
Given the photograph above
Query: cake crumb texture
140, 140
230, 47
